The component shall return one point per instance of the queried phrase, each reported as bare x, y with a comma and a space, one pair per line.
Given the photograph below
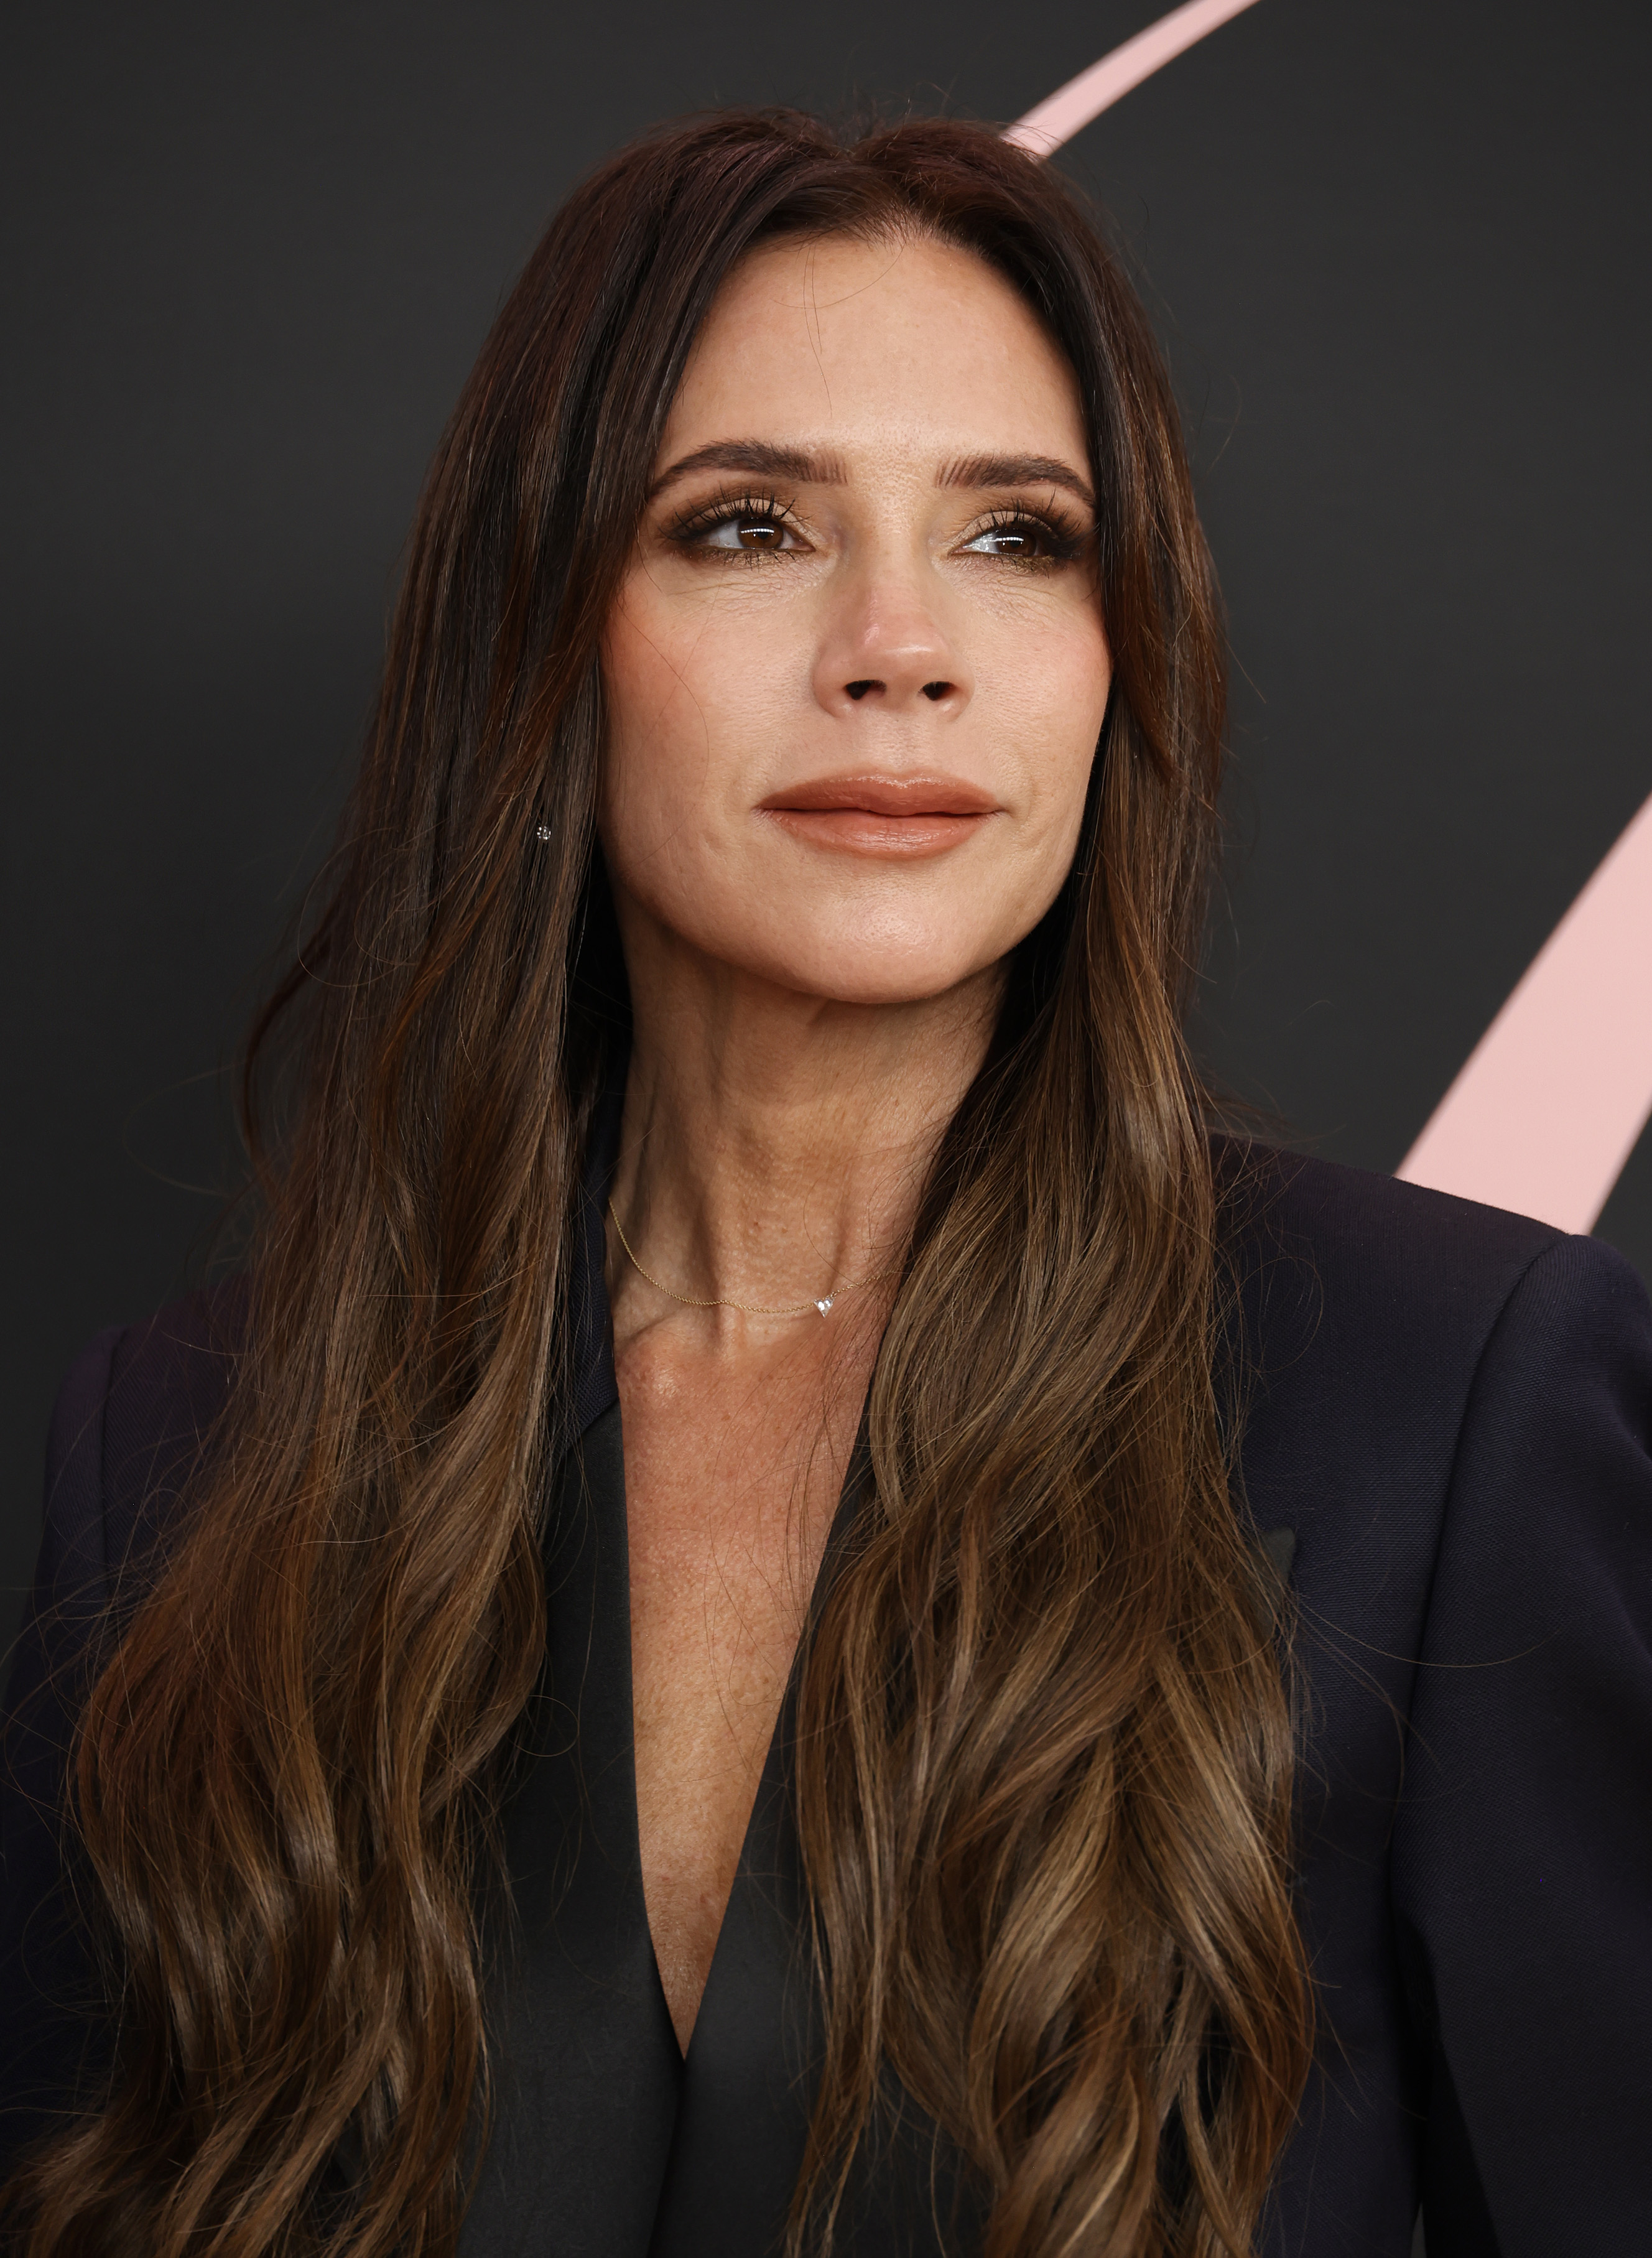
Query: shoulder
1375, 1253
1349, 1281
1376, 1326
132, 1418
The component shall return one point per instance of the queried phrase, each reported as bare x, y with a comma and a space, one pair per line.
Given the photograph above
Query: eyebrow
1016, 470
762, 458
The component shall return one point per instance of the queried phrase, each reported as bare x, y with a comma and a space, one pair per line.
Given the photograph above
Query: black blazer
1447, 1443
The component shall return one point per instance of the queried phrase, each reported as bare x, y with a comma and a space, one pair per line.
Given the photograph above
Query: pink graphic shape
1071, 107
1558, 1088
1556, 1093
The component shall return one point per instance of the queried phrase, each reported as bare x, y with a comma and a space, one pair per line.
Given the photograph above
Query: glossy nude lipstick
896, 817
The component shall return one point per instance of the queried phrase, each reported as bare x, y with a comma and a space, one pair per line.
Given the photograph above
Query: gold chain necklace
747, 1309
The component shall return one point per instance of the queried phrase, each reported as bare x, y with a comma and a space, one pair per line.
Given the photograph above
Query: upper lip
887, 795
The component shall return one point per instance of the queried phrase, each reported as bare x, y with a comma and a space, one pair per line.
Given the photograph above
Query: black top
1448, 1438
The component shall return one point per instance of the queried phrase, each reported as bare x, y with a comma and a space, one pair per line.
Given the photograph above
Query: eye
1025, 540
757, 533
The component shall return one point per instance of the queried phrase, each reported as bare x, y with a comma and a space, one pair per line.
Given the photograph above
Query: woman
698, 1657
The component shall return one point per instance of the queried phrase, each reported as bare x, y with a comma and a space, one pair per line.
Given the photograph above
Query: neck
774, 1145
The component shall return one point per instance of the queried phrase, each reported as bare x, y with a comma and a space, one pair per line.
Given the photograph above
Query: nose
885, 648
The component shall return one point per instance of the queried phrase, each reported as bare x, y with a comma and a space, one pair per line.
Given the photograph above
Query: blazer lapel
749, 2079
587, 2067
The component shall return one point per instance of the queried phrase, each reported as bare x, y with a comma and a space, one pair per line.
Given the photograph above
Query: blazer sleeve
1522, 1855
52, 2034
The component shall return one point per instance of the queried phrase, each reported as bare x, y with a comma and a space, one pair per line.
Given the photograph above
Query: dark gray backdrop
1397, 248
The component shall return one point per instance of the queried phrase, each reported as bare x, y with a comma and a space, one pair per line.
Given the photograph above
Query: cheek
644, 688
690, 691
1054, 683
657, 740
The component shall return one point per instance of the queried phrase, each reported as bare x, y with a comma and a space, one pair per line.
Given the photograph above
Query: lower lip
886, 838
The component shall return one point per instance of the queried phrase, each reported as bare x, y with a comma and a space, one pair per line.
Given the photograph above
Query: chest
732, 1482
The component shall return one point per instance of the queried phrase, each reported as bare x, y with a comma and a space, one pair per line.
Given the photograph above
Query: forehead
899, 338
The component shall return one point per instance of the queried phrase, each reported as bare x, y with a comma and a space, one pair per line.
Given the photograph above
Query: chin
870, 953
872, 970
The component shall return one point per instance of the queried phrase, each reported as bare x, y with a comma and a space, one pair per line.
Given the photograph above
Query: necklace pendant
824, 1306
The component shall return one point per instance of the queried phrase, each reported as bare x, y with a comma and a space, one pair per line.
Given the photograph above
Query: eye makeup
1018, 535
764, 515
1013, 533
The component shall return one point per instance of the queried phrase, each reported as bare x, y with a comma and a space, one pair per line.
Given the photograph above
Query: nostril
936, 690
860, 689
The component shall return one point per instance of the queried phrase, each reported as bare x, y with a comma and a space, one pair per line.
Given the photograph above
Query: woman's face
857, 668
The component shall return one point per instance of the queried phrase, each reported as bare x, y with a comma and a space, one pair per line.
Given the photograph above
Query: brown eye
1020, 541
758, 536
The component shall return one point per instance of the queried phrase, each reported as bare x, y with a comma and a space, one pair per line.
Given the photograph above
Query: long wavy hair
1043, 1768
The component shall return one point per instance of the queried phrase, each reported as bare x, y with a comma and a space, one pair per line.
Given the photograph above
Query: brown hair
1043, 1774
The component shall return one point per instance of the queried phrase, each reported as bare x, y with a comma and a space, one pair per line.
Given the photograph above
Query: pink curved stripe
1062, 115
1557, 1091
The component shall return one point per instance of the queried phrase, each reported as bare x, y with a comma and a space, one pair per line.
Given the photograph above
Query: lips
891, 817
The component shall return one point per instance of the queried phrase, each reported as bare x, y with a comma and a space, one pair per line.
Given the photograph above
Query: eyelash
1066, 538
1065, 535
747, 509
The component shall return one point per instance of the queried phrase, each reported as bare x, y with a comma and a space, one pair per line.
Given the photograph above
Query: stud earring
543, 830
